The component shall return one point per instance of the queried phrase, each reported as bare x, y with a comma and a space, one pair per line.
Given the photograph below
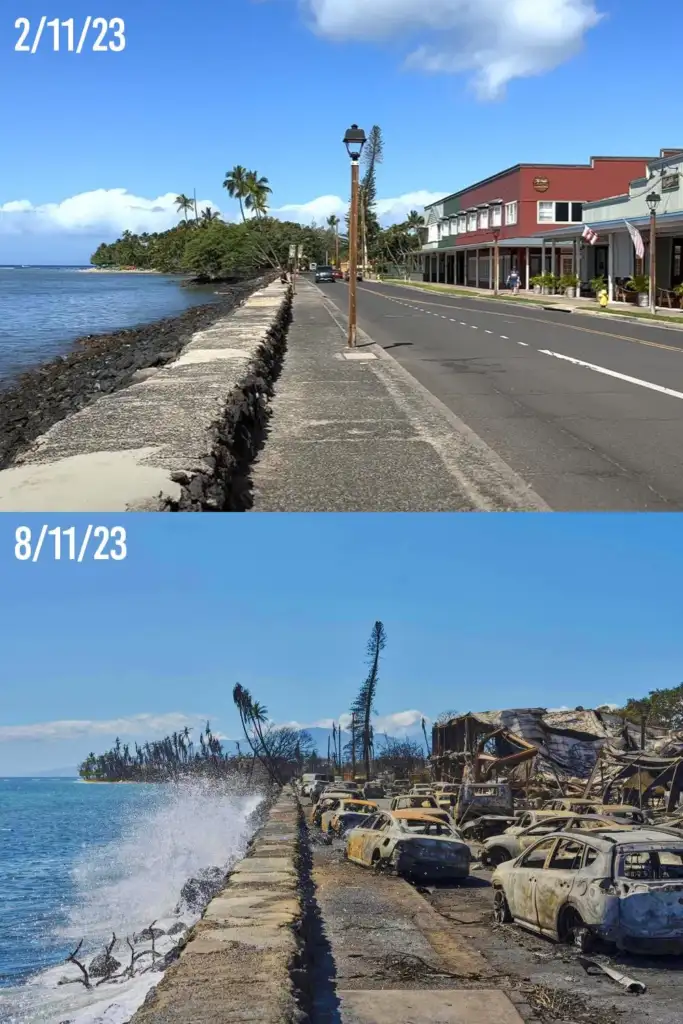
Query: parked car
411, 843
509, 845
338, 274
373, 791
421, 803
309, 779
479, 829
364, 807
622, 887
343, 821
325, 275
477, 798
579, 806
422, 789
359, 276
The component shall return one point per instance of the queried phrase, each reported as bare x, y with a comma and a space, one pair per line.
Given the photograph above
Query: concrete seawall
181, 438
239, 961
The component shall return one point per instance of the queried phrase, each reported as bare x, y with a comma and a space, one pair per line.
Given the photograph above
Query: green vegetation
206, 246
662, 708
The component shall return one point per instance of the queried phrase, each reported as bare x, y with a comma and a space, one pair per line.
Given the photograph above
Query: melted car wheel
575, 932
497, 856
501, 907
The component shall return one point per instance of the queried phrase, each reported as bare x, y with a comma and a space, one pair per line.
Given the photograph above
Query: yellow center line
540, 320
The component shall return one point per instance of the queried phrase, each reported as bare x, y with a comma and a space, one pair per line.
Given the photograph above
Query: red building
516, 205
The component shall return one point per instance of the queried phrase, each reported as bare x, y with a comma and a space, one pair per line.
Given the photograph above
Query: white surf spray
123, 886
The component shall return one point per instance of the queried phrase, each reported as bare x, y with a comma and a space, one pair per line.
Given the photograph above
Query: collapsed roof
569, 740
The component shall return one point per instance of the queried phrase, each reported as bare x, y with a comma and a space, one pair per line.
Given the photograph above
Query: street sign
292, 252
300, 251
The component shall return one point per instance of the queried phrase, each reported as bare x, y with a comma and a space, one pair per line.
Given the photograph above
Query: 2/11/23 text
99, 35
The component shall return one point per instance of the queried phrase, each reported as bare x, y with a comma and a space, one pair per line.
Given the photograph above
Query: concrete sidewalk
354, 431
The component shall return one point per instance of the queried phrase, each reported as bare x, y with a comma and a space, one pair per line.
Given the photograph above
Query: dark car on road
325, 274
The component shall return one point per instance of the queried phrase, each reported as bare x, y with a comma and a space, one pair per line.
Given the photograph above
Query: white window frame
472, 221
462, 223
496, 216
545, 203
553, 203
484, 218
511, 212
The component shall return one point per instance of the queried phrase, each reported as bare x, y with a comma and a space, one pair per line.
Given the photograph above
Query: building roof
606, 226
543, 166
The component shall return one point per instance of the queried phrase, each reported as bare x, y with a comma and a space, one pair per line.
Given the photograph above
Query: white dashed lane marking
451, 319
613, 373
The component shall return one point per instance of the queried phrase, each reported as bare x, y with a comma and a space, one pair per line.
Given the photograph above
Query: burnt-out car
413, 843
479, 829
621, 887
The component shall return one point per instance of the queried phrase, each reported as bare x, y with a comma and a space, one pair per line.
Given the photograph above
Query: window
653, 864
496, 216
550, 212
483, 218
536, 857
371, 822
546, 213
379, 822
546, 825
511, 213
472, 221
567, 856
462, 223
591, 856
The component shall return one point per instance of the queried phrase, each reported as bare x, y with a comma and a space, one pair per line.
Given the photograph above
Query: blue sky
460, 90
480, 611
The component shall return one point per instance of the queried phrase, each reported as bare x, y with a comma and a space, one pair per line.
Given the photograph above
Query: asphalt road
588, 412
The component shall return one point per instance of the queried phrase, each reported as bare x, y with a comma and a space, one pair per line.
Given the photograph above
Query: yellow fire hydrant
603, 297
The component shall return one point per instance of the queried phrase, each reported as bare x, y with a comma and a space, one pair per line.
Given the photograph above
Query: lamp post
653, 202
496, 260
354, 140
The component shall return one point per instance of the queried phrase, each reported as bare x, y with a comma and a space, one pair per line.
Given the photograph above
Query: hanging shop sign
670, 182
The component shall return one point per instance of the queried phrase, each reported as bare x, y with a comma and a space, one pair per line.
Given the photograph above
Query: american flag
590, 236
637, 240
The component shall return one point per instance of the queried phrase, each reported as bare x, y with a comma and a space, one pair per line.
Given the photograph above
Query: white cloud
133, 725
400, 723
106, 211
493, 40
389, 211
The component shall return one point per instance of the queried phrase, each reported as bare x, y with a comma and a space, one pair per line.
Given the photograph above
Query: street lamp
354, 140
653, 201
496, 259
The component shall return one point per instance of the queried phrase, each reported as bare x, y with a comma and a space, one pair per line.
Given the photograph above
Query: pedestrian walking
513, 281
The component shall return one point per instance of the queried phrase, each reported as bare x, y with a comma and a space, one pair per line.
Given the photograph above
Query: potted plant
536, 283
597, 284
569, 283
640, 284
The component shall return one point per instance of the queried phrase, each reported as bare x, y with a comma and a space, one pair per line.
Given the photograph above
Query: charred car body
622, 887
412, 843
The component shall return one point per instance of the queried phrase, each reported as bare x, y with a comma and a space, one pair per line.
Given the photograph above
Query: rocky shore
98, 365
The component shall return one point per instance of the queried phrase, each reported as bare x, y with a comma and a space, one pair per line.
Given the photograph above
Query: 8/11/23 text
99, 35
70, 544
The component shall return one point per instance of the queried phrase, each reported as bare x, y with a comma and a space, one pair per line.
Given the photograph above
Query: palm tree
237, 185
414, 221
184, 204
364, 704
333, 222
209, 215
258, 191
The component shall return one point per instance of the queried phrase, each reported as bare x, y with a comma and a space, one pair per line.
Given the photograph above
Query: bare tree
364, 704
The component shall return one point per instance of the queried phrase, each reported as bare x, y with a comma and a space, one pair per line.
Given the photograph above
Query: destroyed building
594, 751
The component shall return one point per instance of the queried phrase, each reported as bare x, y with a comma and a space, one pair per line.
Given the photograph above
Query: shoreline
100, 364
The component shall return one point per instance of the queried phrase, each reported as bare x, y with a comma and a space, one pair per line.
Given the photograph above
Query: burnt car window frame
533, 849
577, 860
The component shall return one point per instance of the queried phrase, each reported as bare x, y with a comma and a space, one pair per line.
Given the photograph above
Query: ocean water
82, 860
44, 309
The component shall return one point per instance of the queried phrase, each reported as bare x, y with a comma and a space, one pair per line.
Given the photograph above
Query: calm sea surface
81, 860
44, 309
